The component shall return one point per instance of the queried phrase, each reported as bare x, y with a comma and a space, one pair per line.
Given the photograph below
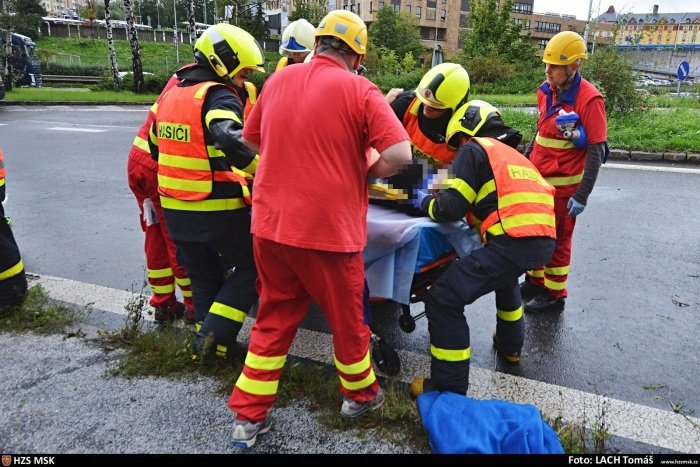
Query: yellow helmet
298, 36
469, 119
564, 48
346, 26
444, 86
229, 49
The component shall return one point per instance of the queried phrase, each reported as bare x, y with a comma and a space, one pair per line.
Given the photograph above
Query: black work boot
545, 304
168, 313
512, 358
529, 290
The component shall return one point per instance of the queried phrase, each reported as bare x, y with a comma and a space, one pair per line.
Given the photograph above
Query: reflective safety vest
556, 158
421, 145
250, 101
525, 199
188, 168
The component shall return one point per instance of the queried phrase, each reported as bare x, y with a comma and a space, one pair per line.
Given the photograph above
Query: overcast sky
580, 7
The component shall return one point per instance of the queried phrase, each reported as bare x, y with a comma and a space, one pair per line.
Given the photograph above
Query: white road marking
653, 168
636, 422
81, 130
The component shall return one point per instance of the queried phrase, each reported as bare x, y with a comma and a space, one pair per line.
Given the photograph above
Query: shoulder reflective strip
257, 388
485, 142
560, 271
259, 362
183, 282
553, 285
153, 137
184, 162
162, 289
160, 273
201, 92
253, 166
154, 108
228, 312
415, 106
221, 114
514, 315
525, 197
354, 368
447, 355
464, 189
186, 185
563, 181
204, 205
186, 293
12, 272
357, 385
252, 92
553, 143
536, 273
529, 219
485, 190
142, 144
2, 181
212, 151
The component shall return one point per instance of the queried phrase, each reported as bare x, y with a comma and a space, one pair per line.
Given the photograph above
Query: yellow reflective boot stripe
253, 166
450, 355
354, 368
514, 315
485, 190
552, 285
181, 184
142, 144
197, 326
204, 205
13, 271
553, 143
524, 197
362, 384
184, 282
221, 350
182, 162
163, 288
528, 219
227, 312
564, 181
258, 388
536, 273
464, 189
259, 362
560, 271
221, 114
160, 273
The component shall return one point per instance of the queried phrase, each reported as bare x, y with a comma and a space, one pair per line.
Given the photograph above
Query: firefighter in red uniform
13, 282
570, 145
512, 207
203, 169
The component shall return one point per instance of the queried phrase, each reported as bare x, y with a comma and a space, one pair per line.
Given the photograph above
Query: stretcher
403, 257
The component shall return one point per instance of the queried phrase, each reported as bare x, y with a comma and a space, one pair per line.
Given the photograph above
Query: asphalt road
630, 327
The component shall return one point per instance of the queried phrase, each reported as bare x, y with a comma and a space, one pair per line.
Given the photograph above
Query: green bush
72, 69
612, 75
407, 80
524, 82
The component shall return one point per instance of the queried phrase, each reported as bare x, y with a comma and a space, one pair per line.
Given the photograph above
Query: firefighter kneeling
512, 208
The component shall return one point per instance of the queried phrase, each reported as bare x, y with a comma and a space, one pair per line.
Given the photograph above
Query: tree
190, 19
139, 84
22, 16
90, 14
112, 51
492, 33
396, 31
311, 10
613, 76
254, 22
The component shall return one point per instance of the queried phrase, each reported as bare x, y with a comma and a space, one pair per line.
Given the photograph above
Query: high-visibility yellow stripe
142, 144
183, 282
560, 271
253, 166
552, 285
161, 289
213, 151
186, 293
252, 92
259, 362
2, 181
536, 273
528, 219
485, 190
258, 388
221, 114
431, 204
563, 181
362, 384
160, 273
464, 189
204, 205
12, 272
514, 315
200, 186
154, 108
451, 355
227, 312
221, 350
553, 143
354, 368
197, 326
525, 197
495, 230
182, 162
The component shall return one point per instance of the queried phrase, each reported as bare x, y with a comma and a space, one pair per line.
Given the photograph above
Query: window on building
370, 7
418, 11
396, 7
408, 8
430, 14
381, 5
358, 9
443, 15
519, 7
352, 8
542, 43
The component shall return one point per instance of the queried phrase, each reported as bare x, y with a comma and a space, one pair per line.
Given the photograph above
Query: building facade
63, 8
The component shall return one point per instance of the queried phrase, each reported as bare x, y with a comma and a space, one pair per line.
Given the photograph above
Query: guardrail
73, 79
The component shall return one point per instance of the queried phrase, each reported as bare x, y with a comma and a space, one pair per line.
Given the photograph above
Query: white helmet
298, 36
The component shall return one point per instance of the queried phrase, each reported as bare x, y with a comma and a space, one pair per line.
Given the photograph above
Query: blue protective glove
575, 208
418, 197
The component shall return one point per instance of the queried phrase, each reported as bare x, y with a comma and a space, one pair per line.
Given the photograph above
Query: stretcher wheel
407, 323
385, 356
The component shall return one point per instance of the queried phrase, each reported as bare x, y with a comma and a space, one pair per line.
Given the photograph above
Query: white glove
149, 212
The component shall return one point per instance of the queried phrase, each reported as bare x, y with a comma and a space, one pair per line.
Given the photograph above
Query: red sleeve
594, 121
251, 125
383, 128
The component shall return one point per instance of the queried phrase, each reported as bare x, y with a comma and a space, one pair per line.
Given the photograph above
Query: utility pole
175, 37
588, 23
158, 10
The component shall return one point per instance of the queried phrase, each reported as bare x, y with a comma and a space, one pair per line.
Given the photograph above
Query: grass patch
67, 96
575, 438
40, 314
